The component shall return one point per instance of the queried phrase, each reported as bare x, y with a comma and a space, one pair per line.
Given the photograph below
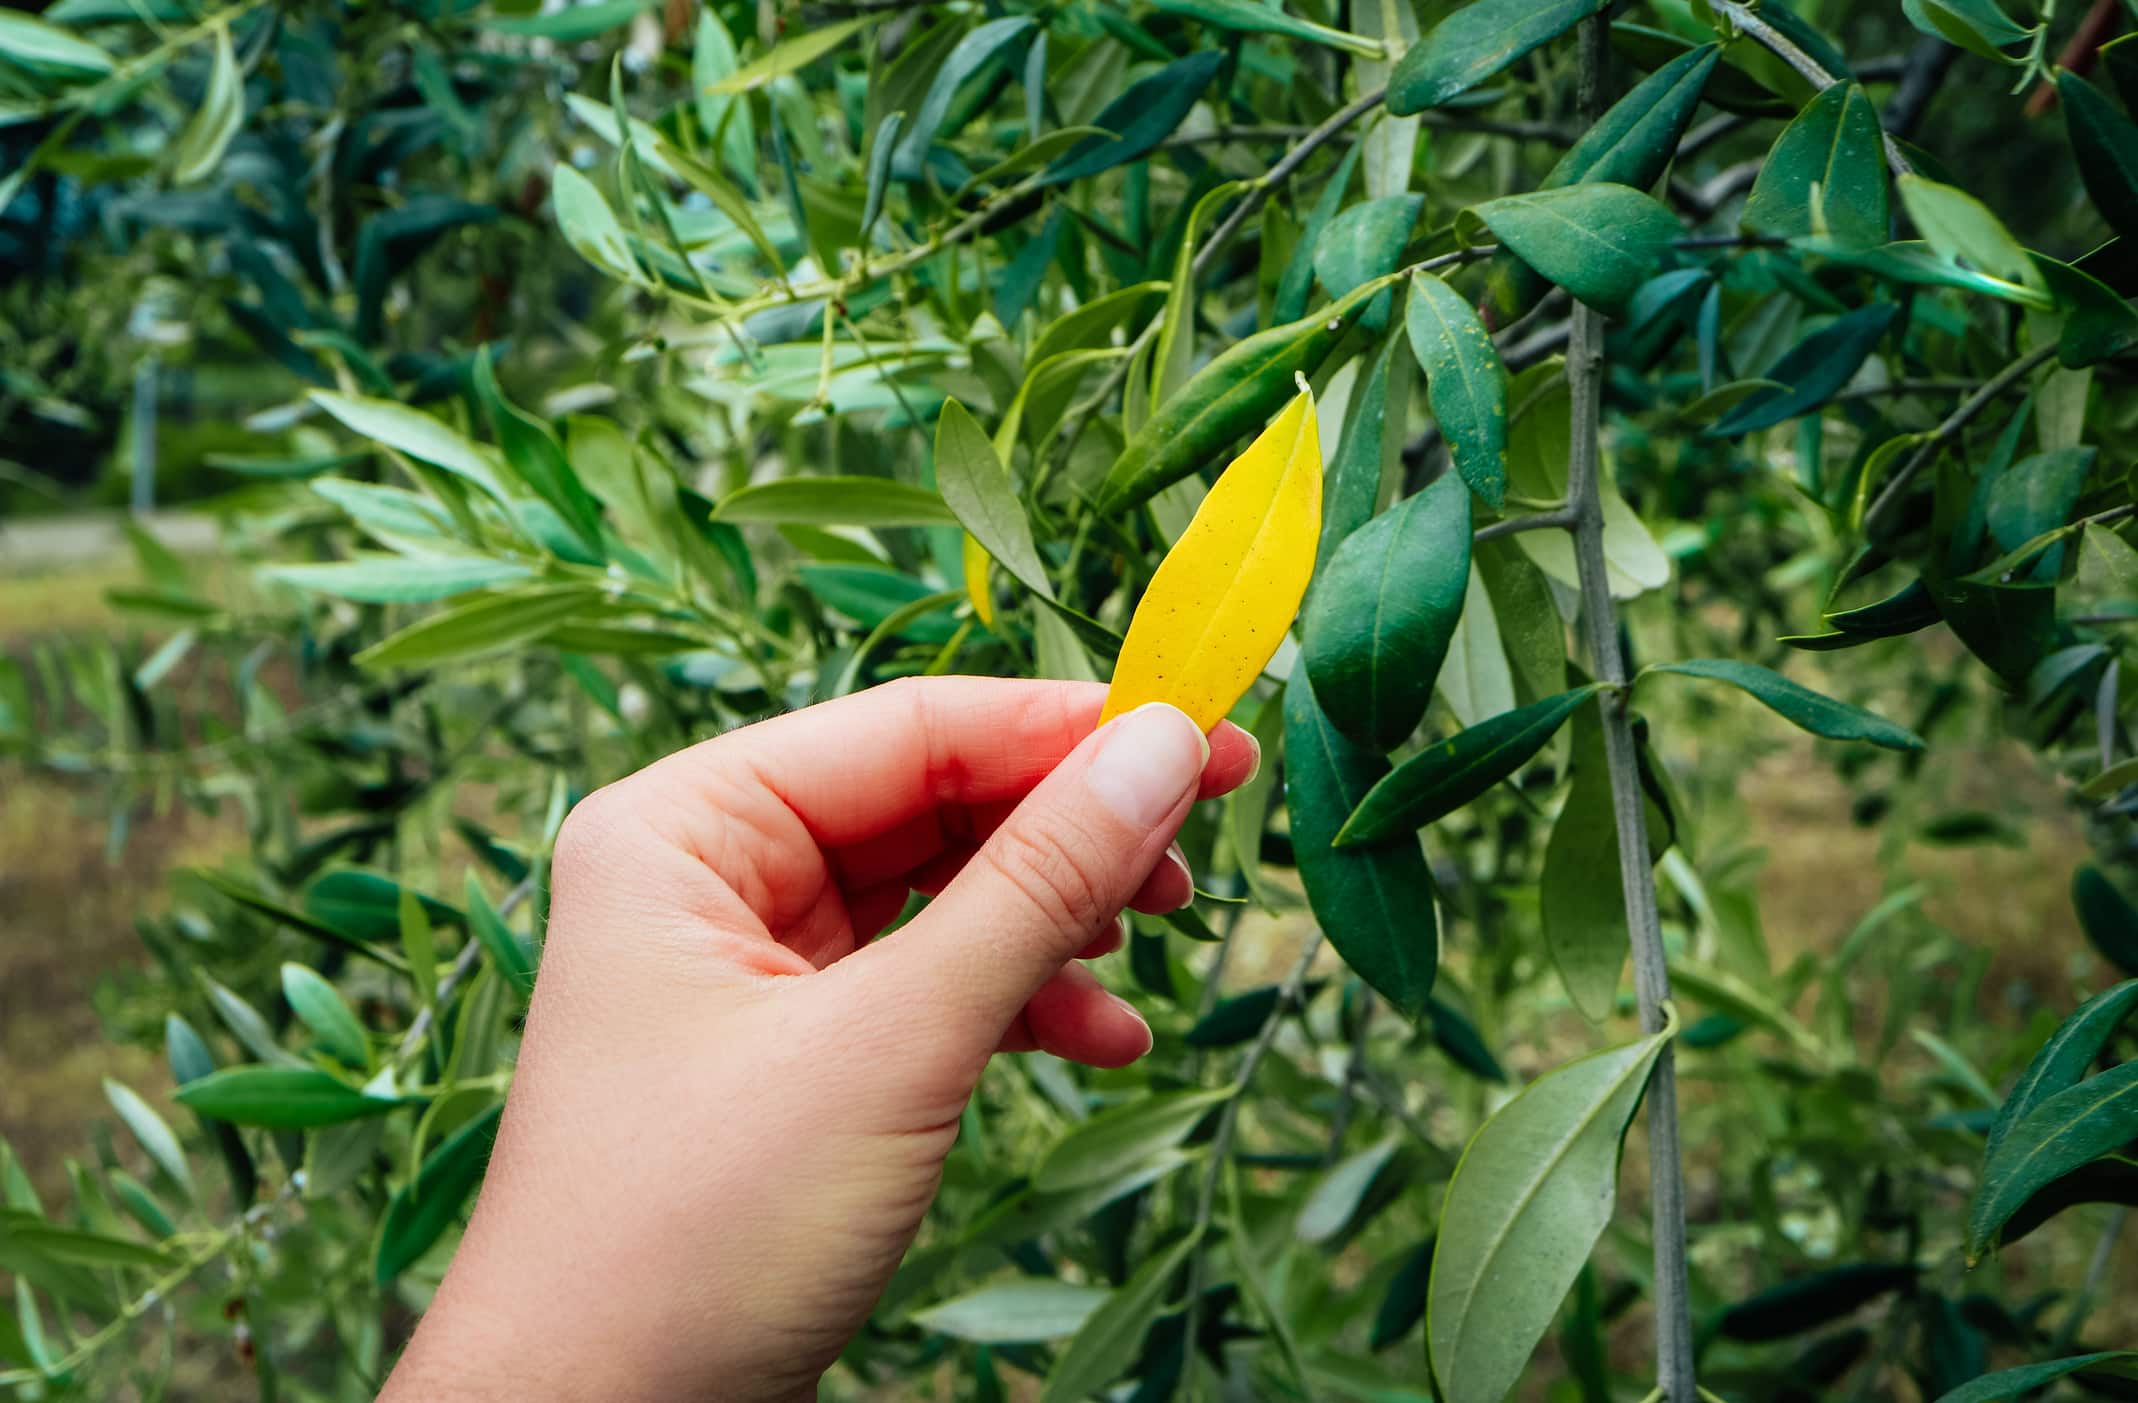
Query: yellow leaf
1224, 595
976, 562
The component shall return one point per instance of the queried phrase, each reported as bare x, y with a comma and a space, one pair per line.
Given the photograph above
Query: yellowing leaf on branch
1223, 597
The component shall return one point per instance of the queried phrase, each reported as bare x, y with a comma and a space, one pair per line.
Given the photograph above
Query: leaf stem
1651, 973
1563, 519
1949, 430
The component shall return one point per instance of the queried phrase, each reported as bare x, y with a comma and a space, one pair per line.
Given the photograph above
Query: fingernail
1147, 761
1130, 1009
1256, 767
1187, 876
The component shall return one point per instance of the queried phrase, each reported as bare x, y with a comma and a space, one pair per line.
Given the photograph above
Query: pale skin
732, 1108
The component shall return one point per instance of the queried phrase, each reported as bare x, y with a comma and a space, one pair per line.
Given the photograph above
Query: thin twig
1651, 974
1291, 161
1785, 49
2104, 1250
1563, 519
1949, 430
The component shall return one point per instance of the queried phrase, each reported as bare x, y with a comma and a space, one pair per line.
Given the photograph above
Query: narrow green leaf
1246, 17
393, 579
2106, 145
1582, 896
281, 1097
722, 115
2025, 1379
791, 55
1289, 303
835, 501
318, 1005
25, 1232
1958, 226
1465, 381
505, 949
1352, 485
1115, 1142
2107, 917
976, 487
1475, 42
1109, 1340
1336, 1198
574, 24
488, 624
1529, 1199
416, 434
1140, 118
1598, 241
1443, 777
1978, 26
1404, 1305
2064, 1059
1015, 1311
1799, 705
1812, 372
2061, 1133
425, 1206
535, 456
1364, 242
1826, 174
1378, 621
151, 1132
590, 227
977, 49
46, 48
1812, 1300
1637, 137
1375, 905
200, 147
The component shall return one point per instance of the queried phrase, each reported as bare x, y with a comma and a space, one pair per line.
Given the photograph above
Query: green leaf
1289, 303
1363, 243
151, 1131
1235, 1020
1529, 1199
1598, 241
416, 434
505, 949
48, 49
1958, 226
423, 1208
791, 55
260, 903
976, 487
2106, 145
1978, 26
875, 597
1475, 42
1378, 621
1109, 1341
975, 50
2107, 917
879, 170
1029, 1214
1799, 705
2025, 1379
1117, 1141
221, 113
2064, 1059
391, 579
836, 501
2098, 323
492, 623
22, 1231
1351, 487
280, 1097
1812, 372
1826, 174
1246, 17
1581, 894
1404, 1305
1636, 138
1813, 1299
590, 227
574, 24
1443, 777
1336, 1198
713, 58
1375, 905
1466, 382
320, 1008
1139, 118
535, 456
2061, 1133
1015, 1311
1234, 394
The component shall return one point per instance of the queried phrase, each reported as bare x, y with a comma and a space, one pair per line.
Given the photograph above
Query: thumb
1062, 865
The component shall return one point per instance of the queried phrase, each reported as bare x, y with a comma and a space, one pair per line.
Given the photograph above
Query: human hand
731, 1108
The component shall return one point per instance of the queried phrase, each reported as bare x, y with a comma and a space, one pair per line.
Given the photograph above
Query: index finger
856, 767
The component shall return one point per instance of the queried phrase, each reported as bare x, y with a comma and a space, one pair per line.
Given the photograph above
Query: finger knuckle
588, 834
1042, 861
